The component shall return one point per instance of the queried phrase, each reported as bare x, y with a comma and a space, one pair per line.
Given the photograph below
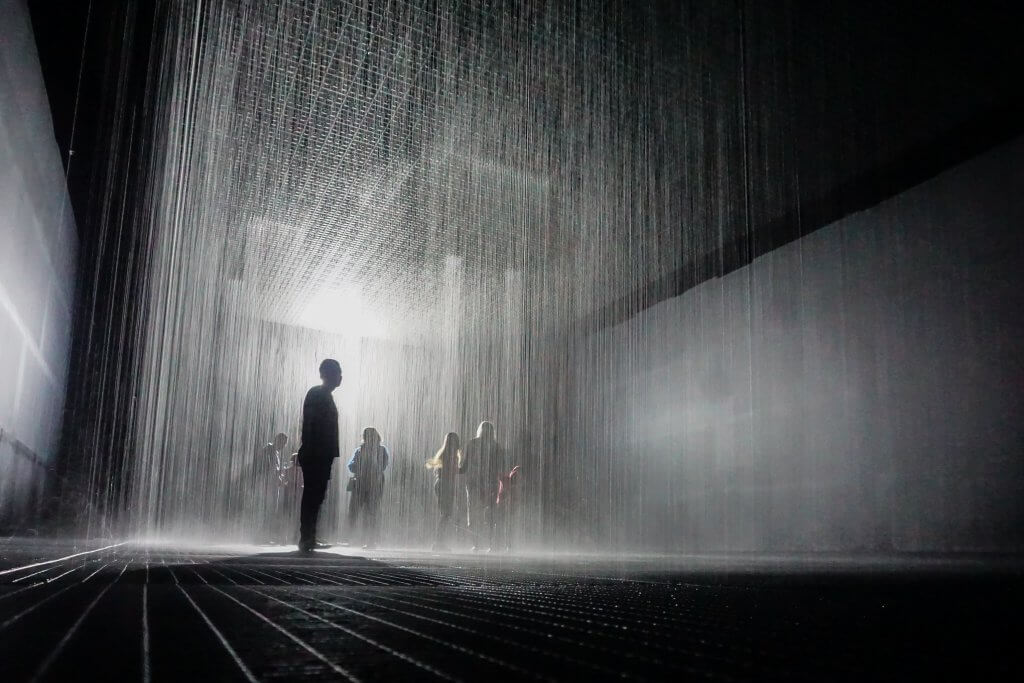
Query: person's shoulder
316, 393
356, 451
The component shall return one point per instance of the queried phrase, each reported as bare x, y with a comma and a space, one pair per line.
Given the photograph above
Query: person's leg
460, 515
473, 515
291, 506
274, 518
313, 493
376, 520
284, 520
370, 519
352, 523
305, 511
443, 523
481, 520
359, 525
321, 494
510, 518
489, 513
269, 530
446, 501
497, 527
437, 530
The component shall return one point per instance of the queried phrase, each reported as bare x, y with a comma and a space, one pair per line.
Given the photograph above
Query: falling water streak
460, 176
466, 206
349, 150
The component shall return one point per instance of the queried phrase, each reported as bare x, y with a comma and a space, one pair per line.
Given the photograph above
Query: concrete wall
38, 246
859, 389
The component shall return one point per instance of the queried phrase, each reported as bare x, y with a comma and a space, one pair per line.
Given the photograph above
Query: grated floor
130, 612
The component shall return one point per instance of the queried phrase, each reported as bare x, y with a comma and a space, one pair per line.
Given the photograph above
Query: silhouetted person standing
368, 464
291, 491
445, 463
318, 450
268, 469
484, 464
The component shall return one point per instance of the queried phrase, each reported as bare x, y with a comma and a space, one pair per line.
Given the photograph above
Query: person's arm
386, 457
280, 468
352, 462
313, 416
464, 465
307, 437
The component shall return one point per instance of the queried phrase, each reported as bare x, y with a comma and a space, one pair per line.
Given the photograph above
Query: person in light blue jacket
367, 465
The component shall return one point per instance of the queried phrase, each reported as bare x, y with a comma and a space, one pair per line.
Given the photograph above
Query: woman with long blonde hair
445, 464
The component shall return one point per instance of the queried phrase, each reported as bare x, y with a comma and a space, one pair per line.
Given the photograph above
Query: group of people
480, 476
483, 476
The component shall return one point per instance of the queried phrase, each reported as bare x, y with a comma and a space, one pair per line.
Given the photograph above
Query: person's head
371, 437
330, 373
280, 441
450, 443
449, 446
485, 431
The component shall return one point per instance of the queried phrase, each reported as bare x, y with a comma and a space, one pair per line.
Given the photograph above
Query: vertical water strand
446, 199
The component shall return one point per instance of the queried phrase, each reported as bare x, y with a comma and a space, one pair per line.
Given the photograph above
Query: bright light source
341, 312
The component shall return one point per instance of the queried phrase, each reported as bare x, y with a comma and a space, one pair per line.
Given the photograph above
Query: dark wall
857, 389
38, 246
97, 60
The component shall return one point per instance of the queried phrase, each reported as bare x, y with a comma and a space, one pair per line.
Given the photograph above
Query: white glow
341, 312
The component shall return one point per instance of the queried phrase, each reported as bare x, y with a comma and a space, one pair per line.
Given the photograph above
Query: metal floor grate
128, 613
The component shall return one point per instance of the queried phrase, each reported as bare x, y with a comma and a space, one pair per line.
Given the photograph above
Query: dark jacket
368, 464
483, 463
319, 430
